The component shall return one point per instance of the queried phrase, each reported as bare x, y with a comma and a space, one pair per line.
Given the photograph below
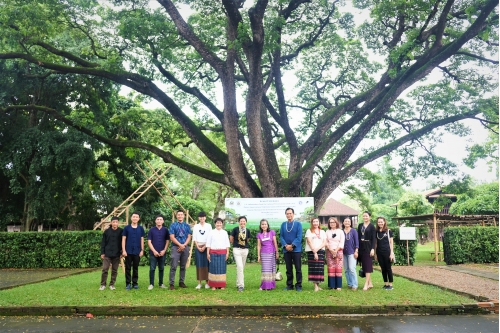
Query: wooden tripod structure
150, 182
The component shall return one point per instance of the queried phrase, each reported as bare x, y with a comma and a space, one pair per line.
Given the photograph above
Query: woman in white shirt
217, 254
315, 249
200, 236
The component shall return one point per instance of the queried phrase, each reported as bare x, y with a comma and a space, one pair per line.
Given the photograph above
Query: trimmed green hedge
470, 244
81, 249
56, 249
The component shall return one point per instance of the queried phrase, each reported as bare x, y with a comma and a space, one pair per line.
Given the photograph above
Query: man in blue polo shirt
158, 238
133, 249
180, 236
291, 241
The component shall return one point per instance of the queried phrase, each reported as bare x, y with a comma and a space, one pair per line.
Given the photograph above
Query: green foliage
481, 200
413, 204
80, 249
470, 245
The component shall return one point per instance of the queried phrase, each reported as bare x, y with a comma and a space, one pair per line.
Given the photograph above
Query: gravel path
449, 279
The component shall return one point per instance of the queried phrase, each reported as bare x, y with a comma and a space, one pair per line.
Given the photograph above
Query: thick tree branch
193, 40
166, 156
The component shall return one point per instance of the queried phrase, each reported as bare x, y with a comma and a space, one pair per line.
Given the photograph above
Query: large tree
304, 98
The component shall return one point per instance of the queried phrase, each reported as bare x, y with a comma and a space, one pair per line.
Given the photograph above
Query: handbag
362, 273
279, 275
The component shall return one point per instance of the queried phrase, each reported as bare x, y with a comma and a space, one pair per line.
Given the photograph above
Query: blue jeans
350, 270
153, 261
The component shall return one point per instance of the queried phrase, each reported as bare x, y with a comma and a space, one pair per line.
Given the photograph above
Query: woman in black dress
367, 241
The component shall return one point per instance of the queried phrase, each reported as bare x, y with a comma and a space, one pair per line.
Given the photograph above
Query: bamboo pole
436, 244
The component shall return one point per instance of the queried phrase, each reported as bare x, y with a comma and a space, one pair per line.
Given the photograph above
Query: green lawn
423, 256
83, 290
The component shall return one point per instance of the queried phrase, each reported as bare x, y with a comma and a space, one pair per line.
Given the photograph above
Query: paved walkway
10, 278
201, 324
475, 272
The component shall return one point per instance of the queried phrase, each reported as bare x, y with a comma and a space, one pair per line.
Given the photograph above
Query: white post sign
408, 233
271, 209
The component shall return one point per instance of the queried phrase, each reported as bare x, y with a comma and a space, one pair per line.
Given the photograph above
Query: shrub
470, 244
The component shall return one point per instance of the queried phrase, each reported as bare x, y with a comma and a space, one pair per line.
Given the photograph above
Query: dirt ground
463, 282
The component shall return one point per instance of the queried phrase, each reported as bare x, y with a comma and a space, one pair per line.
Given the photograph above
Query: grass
423, 256
83, 290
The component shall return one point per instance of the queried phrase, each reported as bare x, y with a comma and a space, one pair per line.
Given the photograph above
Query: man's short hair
136, 213
289, 209
179, 211
202, 214
159, 215
115, 218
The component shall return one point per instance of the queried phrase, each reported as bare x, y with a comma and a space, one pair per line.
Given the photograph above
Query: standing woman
385, 251
351, 246
267, 252
217, 254
334, 257
367, 242
239, 238
200, 236
315, 248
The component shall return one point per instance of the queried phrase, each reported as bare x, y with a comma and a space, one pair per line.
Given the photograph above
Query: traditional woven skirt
268, 276
217, 269
201, 261
335, 265
316, 268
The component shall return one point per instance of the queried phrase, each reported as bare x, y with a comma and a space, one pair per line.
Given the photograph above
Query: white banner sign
271, 209
407, 233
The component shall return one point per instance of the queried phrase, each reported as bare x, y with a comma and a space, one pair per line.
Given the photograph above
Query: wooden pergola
446, 220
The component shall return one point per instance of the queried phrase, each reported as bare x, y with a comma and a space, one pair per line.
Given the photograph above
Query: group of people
342, 248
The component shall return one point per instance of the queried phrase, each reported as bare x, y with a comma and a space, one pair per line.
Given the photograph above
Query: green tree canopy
301, 97
482, 199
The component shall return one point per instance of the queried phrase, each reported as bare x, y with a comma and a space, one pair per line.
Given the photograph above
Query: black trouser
293, 259
132, 263
385, 265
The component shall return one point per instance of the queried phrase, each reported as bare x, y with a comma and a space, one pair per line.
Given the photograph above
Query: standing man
158, 238
110, 253
291, 240
180, 235
133, 250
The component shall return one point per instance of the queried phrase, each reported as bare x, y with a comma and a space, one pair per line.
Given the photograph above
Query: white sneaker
102, 287
163, 286
150, 287
198, 286
112, 287
207, 286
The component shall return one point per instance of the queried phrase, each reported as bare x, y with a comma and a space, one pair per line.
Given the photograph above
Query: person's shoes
162, 286
384, 286
354, 288
298, 288
389, 288
240, 289
112, 287
288, 288
135, 286
150, 287
207, 286
102, 288
182, 285
128, 287
198, 286
171, 287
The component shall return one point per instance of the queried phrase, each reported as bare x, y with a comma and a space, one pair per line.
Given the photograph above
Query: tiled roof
334, 208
